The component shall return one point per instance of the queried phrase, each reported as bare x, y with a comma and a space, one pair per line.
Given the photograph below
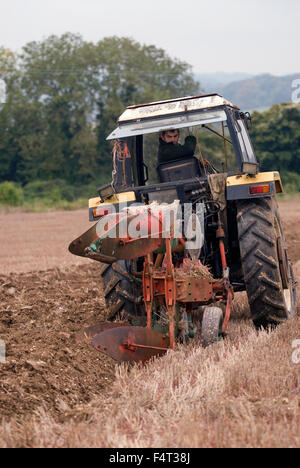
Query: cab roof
174, 106
171, 114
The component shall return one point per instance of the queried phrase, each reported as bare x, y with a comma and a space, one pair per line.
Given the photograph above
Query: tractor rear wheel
268, 273
123, 293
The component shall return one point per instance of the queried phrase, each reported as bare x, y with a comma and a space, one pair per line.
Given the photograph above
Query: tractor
177, 239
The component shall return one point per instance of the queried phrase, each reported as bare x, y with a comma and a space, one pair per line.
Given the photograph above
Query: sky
254, 36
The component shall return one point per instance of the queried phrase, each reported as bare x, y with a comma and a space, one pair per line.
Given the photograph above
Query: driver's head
170, 136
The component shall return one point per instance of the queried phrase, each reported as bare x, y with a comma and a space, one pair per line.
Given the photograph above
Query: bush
42, 195
291, 182
87, 191
57, 194
11, 194
51, 191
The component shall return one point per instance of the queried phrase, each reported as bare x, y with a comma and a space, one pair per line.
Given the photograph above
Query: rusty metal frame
170, 292
163, 283
148, 288
166, 285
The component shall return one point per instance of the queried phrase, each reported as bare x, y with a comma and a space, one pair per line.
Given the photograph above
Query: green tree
64, 98
10, 194
8, 116
132, 73
58, 77
276, 138
7, 62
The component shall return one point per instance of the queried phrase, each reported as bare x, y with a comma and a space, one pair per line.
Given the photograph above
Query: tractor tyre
268, 273
123, 293
211, 328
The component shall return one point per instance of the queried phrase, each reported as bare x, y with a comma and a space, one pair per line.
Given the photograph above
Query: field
56, 391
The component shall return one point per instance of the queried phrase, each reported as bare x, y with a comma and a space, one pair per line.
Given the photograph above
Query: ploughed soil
47, 297
41, 315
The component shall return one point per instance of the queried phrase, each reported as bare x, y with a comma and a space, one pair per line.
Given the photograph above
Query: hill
211, 81
260, 92
250, 92
255, 92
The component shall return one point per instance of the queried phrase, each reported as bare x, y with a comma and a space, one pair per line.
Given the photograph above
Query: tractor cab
223, 145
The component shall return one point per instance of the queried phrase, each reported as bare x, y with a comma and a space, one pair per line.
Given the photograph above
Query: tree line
276, 138
64, 96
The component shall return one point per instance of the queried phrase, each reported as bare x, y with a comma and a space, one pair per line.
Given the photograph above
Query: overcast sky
254, 36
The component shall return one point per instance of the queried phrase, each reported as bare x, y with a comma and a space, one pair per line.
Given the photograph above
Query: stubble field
56, 391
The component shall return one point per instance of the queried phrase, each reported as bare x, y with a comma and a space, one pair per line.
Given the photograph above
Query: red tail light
99, 212
255, 189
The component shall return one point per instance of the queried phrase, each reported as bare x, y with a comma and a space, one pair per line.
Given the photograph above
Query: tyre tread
258, 248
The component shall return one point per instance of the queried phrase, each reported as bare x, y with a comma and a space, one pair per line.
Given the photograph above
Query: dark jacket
168, 151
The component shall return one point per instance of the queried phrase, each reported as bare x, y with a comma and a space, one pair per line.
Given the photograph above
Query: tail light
255, 189
99, 212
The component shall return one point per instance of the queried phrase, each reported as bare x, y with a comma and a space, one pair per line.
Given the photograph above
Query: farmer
170, 148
